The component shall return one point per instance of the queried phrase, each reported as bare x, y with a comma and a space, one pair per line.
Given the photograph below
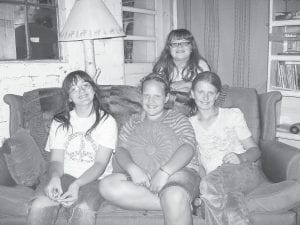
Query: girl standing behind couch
81, 141
180, 60
156, 152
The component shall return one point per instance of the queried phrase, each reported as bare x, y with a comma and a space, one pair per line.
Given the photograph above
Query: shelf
285, 92
281, 23
287, 135
285, 57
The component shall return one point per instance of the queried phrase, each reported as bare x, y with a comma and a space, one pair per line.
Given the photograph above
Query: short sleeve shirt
80, 149
181, 132
221, 138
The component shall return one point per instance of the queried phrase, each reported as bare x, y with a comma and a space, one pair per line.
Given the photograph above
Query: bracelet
164, 171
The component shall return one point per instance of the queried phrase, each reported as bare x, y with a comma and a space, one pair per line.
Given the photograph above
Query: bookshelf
284, 64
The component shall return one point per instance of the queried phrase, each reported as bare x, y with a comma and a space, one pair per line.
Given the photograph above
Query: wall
225, 20
19, 77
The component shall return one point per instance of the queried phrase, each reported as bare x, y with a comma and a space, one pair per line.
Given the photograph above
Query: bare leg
176, 206
43, 211
116, 189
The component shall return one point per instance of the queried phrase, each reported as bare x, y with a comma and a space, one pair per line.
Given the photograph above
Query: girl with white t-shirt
227, 153
180, 60
81, 141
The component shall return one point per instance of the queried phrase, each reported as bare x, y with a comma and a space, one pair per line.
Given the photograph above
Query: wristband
161, 169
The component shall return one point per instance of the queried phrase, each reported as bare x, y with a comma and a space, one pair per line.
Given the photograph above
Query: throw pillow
23, 158
151, 145
5, 177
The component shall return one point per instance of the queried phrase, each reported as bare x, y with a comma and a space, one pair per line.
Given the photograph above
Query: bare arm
102, 158
138, 175
252, 153
180, 159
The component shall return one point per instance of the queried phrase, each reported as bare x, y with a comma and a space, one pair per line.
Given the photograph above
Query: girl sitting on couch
156, 153
81, 142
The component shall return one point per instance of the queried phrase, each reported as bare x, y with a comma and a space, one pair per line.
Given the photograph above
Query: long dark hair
165, 64
209, 77
71, 79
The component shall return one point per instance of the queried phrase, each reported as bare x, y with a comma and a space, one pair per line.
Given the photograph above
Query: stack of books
287, 75
291, 40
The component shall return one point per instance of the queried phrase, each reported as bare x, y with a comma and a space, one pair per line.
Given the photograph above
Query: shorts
186, 178
87, 193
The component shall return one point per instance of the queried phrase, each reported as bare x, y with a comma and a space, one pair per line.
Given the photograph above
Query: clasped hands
232, 158
54, 191
154, 183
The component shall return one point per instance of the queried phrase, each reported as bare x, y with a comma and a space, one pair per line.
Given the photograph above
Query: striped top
151, 144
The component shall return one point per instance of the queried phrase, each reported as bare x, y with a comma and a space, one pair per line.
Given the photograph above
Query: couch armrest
280, 161
268, 103
15, 103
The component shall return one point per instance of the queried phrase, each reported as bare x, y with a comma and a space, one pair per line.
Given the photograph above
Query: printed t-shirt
80, 150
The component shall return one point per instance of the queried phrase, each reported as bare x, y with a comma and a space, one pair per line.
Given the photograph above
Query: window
145, 23
28, 30
139, 26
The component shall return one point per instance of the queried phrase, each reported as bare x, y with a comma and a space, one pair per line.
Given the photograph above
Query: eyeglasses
83, 87
177, 44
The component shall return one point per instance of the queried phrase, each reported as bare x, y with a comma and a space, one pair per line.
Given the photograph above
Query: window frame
134, 71
57, 4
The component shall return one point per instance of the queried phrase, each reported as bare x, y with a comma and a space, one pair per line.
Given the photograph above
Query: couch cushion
40, 105
15, 201
24, 160
120, 101
5, 177
246, 99
274, 197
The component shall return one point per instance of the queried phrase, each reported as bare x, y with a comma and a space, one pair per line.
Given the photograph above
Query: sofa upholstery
35, 109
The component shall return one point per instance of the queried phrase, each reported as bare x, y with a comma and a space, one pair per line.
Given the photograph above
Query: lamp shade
88, 20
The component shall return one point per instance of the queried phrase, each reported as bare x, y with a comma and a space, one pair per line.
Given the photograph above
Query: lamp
87, 21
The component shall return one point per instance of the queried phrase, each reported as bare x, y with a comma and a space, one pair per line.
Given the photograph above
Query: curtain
233, 36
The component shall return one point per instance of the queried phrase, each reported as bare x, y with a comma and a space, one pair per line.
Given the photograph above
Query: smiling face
205, 95
81, 93
153, 98
180, 50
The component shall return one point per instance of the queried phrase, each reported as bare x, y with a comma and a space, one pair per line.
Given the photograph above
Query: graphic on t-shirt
80, 148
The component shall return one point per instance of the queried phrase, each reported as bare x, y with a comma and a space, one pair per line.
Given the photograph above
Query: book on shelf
287, 76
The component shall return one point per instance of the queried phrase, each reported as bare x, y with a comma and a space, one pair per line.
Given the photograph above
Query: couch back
40, 105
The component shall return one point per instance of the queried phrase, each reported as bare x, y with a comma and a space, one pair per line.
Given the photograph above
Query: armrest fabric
268, 118
15, 103
280, 161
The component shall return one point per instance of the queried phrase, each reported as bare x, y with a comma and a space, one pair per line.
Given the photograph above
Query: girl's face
153, 99
81, 93
205, 95
180, 49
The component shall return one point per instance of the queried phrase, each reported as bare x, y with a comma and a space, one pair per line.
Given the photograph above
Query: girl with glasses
180, 60
81, 141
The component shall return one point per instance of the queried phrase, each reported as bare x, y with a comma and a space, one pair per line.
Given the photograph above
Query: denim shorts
186, 178
88, 193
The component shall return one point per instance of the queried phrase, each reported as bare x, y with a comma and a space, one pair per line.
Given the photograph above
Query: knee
109, 187
175, 198
42, 202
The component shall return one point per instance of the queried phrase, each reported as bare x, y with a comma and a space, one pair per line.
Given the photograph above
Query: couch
35, 109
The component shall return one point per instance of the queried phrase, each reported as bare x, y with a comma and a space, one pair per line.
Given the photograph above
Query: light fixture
87, 21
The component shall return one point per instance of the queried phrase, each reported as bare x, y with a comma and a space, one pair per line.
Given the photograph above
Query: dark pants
83, 212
